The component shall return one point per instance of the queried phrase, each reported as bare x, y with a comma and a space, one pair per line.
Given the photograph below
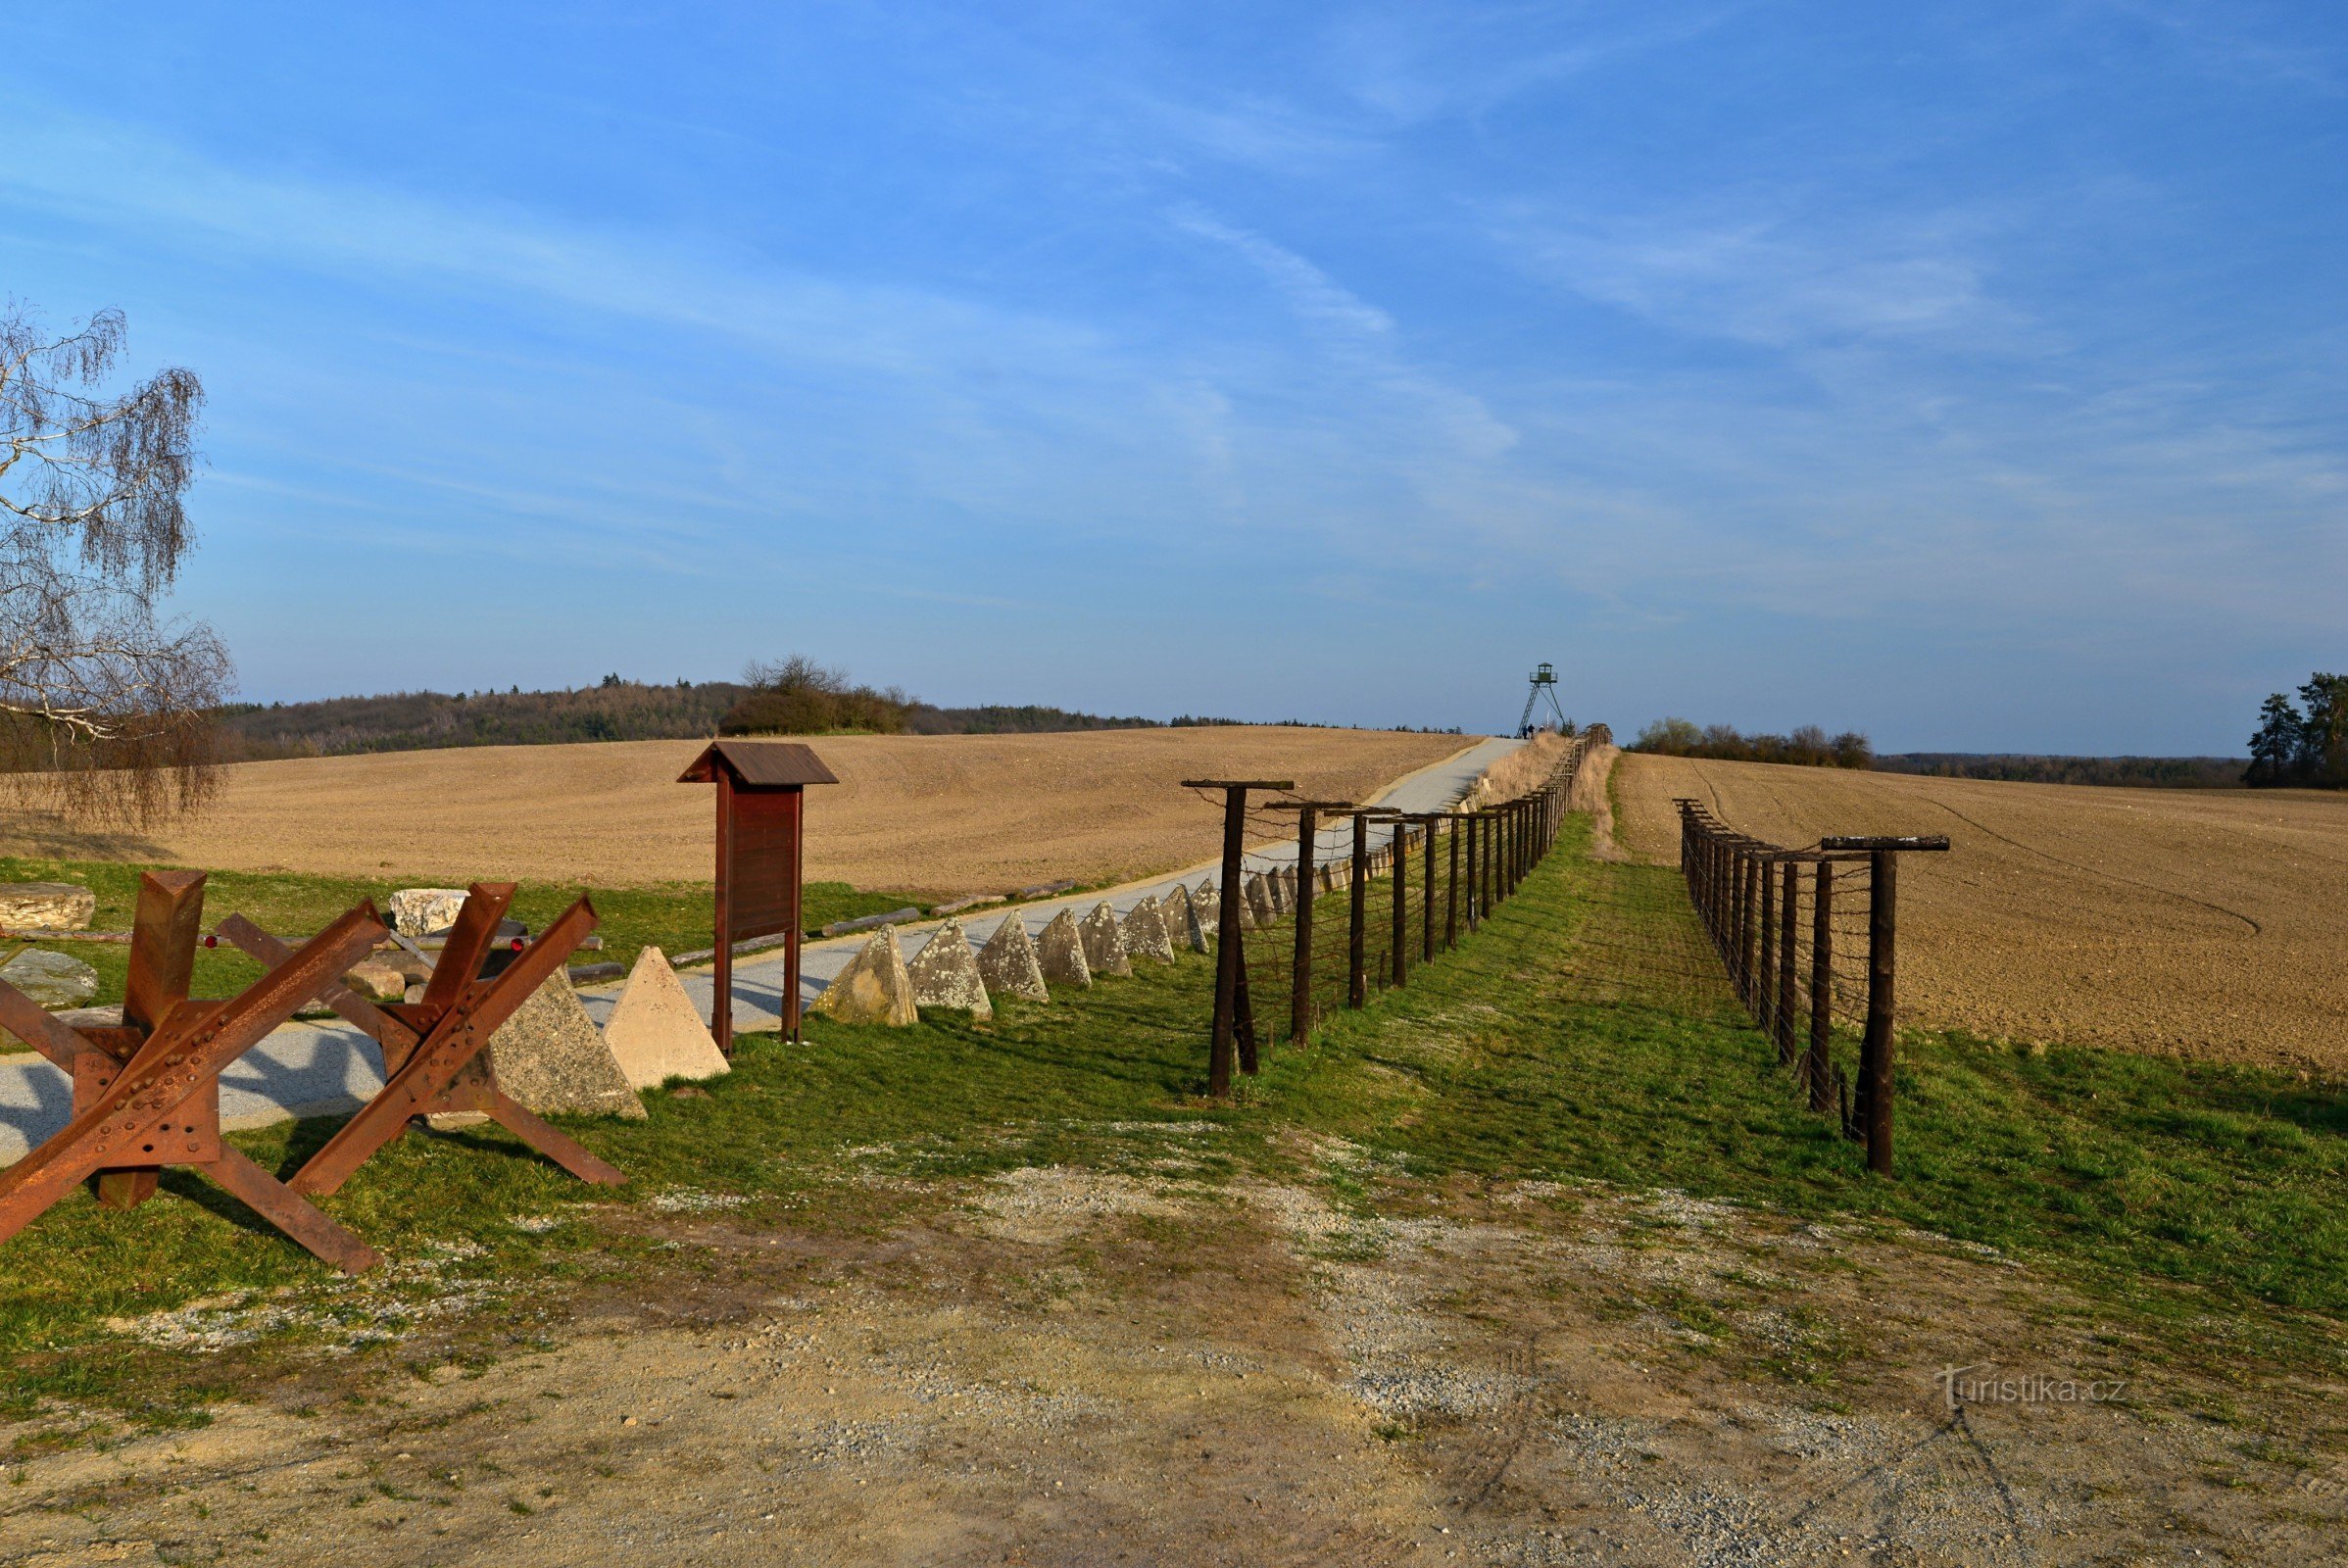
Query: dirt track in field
2186, 922
926, 814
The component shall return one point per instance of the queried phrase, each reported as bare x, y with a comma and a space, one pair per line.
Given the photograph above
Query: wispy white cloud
1789, 270
350, 228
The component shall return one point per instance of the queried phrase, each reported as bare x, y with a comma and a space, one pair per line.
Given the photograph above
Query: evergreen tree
2275, 749
2324, 731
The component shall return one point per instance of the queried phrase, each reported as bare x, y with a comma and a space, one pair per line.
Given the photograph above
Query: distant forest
1812, 746
2140, 773
795, 696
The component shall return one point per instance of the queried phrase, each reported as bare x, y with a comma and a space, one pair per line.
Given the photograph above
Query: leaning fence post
1229, 947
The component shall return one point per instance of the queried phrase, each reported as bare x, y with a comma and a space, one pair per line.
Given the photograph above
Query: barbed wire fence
1809, 937
1320, 904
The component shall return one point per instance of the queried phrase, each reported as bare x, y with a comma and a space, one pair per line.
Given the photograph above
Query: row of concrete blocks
880, 985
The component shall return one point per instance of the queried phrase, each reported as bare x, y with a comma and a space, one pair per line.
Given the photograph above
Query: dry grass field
2186, 922
926, 814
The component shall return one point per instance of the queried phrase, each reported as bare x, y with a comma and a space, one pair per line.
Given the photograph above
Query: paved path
307, 1069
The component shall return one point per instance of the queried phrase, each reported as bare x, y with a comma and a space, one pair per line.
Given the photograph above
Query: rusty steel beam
449, 1067
161, 1106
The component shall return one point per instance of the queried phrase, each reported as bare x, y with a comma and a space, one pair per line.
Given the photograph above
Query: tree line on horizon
1807, 747
794, 696
2306, 747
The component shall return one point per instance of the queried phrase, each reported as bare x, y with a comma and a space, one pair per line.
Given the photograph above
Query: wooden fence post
1358, 991
1451, 891
1874, 1062
1789, 954
1299, 1008
1230, 953
1822, 984
1400, 840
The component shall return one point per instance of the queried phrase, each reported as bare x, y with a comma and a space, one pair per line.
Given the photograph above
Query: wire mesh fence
1809, 939
1323, 904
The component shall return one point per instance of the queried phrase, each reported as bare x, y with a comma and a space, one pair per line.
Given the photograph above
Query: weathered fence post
1765, 994
1475, 843
1451, 891
1357, 989
1308, 833
1789, 954
1229, 951
1748, 879
1875, 1059
1822, 984
1491, 858
1400, 840
1876, 1065
1427, 897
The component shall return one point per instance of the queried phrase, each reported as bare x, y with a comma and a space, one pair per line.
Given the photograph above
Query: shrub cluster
796, 696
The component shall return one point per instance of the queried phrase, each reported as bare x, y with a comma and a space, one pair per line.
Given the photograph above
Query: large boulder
424, 912
1007, 965
54, 980
1061, 952
1103, 943
874, 987
656, 1031
549, 1057
1144, 932
46, 907
945, 973
377, 981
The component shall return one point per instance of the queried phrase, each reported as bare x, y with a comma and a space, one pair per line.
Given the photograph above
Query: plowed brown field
928, 814
2199, 924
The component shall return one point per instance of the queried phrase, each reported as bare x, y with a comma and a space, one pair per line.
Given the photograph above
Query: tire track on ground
2048, 856
2256, 929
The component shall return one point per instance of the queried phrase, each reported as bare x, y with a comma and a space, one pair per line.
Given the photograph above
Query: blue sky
1968, 373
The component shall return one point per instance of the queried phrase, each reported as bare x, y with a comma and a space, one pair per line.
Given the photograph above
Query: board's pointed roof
761, 765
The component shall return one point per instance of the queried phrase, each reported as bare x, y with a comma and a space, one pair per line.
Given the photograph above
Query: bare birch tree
105, 705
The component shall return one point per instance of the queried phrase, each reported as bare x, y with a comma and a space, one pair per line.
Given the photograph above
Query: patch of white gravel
345, 1314
1044, 1204
694, 1200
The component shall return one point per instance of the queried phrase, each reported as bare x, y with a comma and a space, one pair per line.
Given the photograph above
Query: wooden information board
760, 826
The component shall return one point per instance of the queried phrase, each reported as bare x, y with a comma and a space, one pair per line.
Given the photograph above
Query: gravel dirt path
930, 815
2190, 922
1061, 1367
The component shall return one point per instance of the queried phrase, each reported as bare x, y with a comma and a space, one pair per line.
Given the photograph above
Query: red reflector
517, 944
